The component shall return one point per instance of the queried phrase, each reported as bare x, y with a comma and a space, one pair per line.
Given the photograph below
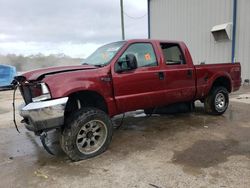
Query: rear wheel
87, 133
217, 101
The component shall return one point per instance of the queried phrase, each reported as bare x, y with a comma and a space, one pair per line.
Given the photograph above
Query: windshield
103, 55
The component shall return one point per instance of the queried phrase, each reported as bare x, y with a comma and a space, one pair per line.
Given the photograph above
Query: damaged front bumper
44, 115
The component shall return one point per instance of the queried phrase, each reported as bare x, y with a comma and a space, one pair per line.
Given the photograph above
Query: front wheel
87, 133
217, 101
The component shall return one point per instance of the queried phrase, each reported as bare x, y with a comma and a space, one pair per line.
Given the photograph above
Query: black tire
217, 101
84, 125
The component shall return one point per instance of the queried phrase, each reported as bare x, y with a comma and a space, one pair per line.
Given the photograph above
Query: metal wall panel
243, 37
192, 20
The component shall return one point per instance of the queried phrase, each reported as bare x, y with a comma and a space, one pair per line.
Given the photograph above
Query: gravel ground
181, 150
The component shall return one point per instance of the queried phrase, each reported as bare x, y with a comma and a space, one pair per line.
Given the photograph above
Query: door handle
161, 75
190, 73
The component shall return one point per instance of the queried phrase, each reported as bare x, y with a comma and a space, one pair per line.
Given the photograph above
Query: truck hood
41, 73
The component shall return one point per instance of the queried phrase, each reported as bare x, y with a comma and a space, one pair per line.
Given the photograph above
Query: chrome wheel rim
220, 102
91, 136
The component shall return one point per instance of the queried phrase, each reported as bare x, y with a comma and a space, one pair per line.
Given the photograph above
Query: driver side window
143, 52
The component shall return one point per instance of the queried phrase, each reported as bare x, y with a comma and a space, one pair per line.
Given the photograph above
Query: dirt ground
181, 150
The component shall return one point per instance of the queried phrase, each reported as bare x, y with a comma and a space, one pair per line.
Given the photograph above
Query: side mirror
131, 61
128, 63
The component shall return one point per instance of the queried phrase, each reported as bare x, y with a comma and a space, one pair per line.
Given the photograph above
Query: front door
142, 87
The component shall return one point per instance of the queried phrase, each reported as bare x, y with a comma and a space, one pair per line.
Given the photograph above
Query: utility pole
122, 20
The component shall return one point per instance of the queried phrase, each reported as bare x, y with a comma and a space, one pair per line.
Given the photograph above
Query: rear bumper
44, 115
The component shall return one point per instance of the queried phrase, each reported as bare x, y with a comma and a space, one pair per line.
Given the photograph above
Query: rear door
180, 74
142, 87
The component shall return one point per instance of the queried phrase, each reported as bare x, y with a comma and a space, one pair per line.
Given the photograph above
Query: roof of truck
153, 40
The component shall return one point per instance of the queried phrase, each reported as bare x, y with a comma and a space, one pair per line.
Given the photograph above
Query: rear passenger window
172, 54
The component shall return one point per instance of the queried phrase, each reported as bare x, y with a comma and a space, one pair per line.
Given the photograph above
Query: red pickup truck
119, 77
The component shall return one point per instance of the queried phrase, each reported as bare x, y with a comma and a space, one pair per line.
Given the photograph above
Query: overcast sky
72, 27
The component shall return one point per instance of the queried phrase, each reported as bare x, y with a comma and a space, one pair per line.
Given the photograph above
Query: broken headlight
40, 92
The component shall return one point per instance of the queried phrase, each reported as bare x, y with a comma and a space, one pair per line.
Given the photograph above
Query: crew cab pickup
123, 76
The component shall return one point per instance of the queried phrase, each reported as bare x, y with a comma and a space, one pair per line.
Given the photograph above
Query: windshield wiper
85, 64
100, 65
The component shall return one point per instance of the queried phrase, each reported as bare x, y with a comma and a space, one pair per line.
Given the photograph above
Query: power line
131, 17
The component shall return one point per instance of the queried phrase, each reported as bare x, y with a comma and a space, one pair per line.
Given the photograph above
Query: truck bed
205, 74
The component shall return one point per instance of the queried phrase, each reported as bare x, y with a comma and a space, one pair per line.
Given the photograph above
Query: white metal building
216, 31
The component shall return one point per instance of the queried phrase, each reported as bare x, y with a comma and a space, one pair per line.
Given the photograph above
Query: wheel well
222, 81
85, 99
